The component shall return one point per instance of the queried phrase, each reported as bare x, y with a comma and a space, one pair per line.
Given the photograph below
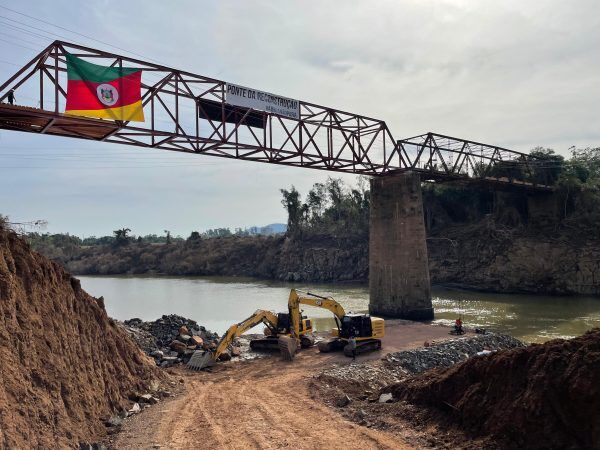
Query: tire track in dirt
262, 404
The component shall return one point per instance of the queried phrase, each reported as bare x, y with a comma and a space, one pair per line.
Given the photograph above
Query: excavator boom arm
296, 300
259, 316
200, 360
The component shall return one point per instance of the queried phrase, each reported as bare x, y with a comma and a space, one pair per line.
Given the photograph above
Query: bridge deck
35, 120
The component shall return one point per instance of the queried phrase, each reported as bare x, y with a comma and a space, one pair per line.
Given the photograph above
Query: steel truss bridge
188, 113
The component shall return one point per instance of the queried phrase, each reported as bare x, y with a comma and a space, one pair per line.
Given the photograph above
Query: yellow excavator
277, 333
368, 331
274, 330
288, 332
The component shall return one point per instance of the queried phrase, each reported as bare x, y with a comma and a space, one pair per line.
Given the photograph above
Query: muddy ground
269, 404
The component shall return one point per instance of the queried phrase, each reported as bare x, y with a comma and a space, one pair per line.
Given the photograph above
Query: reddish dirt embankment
541, 396
65, 366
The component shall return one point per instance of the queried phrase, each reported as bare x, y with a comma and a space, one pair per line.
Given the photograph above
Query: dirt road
261, 404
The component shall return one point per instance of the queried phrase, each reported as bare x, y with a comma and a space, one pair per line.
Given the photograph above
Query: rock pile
398, 365
448, 353
172, 339
357, 377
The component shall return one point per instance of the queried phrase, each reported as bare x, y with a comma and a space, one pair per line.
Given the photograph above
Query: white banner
263, 101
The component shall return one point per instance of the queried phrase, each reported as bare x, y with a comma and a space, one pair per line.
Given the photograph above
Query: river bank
480, 256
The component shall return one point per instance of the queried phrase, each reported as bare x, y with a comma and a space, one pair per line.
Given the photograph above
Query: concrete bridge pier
399, 283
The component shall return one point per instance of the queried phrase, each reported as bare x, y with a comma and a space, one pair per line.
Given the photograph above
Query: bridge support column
398, 265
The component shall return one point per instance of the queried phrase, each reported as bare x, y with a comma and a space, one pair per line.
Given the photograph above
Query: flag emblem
107, 94
103, 92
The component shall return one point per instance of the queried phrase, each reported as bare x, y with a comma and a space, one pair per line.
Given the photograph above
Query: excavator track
330, 345
269, 344
307, 341
272, 343
366, 346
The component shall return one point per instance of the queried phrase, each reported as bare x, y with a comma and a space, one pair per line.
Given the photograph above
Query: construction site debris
172, 339
136, 408
396, 366
537, 396
95, 446
114, 421
357, 377
386, 398
344, 400
148, 398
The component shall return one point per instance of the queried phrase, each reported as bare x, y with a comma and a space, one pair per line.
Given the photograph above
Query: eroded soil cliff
65, 365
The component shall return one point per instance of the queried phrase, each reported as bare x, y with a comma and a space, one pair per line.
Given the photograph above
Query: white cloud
511, 73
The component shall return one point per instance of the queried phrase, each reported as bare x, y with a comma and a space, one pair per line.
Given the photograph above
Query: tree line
336, 209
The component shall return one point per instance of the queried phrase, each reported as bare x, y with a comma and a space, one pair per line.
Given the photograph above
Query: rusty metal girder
182, 114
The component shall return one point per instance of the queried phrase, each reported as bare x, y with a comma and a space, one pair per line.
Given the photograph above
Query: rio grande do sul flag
103, 92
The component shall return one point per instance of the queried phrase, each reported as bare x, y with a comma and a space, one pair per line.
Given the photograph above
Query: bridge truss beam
186, 112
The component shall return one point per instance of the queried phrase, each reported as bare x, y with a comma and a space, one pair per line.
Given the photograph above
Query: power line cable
25, 31
20, 39
8, 62
18, 45
28, 25
74, 32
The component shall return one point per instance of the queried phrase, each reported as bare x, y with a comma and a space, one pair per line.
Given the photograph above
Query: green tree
295, 208
194, 237
546, 166
122, 236
585, 165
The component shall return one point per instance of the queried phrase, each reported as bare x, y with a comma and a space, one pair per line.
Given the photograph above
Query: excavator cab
361, 326
282, 328
285, 324
357, 325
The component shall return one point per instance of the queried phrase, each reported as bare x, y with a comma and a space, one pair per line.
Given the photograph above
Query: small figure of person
458, 326
10, 97
352, 343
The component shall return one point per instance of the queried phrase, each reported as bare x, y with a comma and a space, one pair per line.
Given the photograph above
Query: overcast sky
512, 73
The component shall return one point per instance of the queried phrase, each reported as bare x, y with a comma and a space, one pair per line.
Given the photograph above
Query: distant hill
273, 228
267, 230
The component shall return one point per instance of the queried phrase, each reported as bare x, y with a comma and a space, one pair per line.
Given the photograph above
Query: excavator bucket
200, 360
287, 347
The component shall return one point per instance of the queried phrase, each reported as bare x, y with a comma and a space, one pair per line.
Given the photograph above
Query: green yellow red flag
103, 92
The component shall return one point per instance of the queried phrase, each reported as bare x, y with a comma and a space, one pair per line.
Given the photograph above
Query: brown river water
217, 302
